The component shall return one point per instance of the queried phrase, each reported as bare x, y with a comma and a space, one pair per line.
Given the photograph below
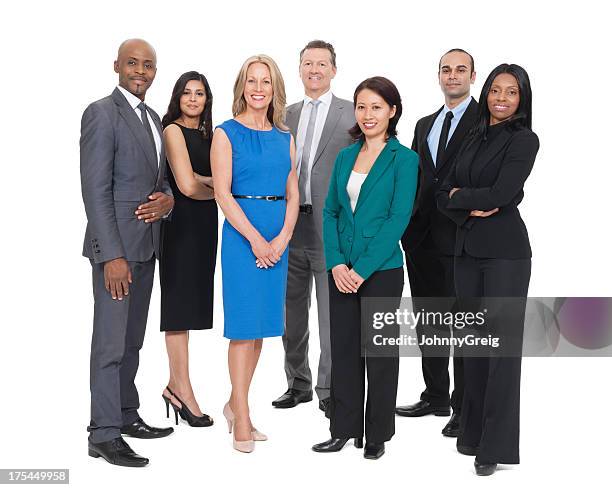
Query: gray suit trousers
306, 260
118, 335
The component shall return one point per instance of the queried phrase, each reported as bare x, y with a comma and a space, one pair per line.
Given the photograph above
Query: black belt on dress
265, 198
306, 208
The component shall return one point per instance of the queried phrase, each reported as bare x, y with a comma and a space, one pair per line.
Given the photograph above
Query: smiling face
504, 98
258, 90
455, 76
316, 71
136, 65
193, 99
373, 113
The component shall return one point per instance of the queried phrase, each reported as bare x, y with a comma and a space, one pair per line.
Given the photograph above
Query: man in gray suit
126, 193
320, 125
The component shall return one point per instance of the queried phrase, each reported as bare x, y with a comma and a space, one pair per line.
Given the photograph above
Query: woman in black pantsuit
189, 238
493, 256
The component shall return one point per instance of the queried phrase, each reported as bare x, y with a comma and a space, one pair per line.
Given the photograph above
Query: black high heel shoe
185, 413
335, 444
175, 408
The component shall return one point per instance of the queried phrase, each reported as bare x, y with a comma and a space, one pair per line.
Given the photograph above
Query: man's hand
483, 214
117, 278
160, 205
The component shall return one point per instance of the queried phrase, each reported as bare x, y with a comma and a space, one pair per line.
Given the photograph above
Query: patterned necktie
147, 126
304, 170
443, 137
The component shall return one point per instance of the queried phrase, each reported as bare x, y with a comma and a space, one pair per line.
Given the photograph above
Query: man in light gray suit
126, 193
320, 125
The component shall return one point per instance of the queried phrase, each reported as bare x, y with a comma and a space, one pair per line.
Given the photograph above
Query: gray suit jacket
119, 170
334, 137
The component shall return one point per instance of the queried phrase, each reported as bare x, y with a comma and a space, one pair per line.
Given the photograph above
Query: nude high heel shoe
229, 415
242, 446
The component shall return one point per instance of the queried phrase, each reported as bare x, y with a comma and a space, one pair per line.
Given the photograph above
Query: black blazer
491, 174
425, 216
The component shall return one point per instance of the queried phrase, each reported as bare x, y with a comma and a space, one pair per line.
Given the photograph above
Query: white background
57, 58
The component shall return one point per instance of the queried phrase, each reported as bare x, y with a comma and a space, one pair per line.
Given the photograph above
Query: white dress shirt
322, 111
353, 187
134, 101
436, 129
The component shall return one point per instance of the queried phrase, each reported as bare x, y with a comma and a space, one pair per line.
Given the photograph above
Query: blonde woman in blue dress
256, 186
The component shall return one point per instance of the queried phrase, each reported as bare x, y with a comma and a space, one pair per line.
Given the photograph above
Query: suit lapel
136, 127
293, 118
487, 155
380, 165
424, 144
465, 124
348, 162
333, 116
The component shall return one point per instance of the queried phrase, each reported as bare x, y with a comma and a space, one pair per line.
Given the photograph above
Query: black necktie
147, 126
443, 137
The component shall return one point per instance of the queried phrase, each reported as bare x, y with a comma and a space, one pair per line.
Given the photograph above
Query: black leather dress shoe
421, 408
291, 398
373, 450
117, 452
141, 430
335, 444
467, 450
324, 406
484, 469
451, 429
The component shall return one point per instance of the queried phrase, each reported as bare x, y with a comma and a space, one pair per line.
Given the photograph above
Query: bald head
136, 65
138, 44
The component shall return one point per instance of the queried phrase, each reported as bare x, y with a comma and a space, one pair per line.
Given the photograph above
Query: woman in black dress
493, 259
189, 238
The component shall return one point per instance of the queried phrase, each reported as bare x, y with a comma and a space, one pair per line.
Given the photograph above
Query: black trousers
491, 403
431, 275
349, 367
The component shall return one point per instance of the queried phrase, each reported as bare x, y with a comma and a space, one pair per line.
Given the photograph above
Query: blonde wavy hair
276, 109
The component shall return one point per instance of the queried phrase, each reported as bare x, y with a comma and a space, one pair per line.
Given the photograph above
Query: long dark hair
522, 117
174, 107
388, 91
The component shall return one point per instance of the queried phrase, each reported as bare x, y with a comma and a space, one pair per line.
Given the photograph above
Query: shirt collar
130, 97
458, 110
325, 98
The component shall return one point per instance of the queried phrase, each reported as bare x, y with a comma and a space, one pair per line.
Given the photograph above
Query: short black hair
388, 91
458, 50
318, 44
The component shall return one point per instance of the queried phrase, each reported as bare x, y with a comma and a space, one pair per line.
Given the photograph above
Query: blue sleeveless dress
253, 298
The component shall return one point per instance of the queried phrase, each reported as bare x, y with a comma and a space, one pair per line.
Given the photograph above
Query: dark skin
136, 66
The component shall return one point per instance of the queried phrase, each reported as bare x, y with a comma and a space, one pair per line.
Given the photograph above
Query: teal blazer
369, 238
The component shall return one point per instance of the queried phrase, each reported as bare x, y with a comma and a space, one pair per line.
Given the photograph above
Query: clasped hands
160, 205
269, 253
475, 212
347, 280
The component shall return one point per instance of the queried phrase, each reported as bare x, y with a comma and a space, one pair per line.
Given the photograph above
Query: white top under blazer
353, 187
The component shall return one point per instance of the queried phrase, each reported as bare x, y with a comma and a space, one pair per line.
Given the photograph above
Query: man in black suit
429, 240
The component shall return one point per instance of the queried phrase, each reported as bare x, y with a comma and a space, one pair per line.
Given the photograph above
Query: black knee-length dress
189, 249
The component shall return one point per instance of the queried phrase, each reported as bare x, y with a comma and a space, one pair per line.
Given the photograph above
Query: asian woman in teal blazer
368, 207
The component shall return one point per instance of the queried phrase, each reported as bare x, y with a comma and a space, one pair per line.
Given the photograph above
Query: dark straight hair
388, 91
174, 107
522, 117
